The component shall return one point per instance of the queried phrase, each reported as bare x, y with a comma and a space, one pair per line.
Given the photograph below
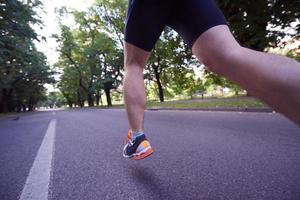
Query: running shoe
138, 148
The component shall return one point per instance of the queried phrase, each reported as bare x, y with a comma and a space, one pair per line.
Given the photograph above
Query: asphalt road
198, 155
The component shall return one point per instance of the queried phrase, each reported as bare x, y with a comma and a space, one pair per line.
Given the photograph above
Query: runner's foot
137, 148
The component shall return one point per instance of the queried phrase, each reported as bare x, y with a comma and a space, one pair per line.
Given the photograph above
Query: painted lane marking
37, 182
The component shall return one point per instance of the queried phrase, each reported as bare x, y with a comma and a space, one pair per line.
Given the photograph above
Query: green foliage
249, 19
169, 64
180, 79
196, 86
91, 55
53, 100
256, 25
23, 70
112, 14
90, 59
295, 52
211, 79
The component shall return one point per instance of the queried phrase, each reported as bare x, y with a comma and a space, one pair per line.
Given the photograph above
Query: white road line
37, 183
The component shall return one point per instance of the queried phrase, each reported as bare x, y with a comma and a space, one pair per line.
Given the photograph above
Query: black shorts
146, 19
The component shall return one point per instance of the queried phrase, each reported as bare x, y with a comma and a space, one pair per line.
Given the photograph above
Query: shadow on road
147, 180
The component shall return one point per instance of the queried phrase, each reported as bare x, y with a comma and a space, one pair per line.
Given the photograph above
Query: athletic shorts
146, 19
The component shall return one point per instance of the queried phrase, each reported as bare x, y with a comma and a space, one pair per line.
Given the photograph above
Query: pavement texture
20, 139
224, 109
198, 155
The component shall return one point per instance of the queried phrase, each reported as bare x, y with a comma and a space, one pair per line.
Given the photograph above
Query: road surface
76, 155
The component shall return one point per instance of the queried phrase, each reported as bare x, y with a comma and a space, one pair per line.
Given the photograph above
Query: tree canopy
261, 24
23, 69
97, 42
91, 52
90, 57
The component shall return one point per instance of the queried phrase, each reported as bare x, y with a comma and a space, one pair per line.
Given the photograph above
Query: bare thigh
215, 46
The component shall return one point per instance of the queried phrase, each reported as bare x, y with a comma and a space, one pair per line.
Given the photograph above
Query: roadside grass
12, 114
216, 102
240, 102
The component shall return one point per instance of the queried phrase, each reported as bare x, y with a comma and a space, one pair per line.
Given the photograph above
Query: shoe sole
144, 155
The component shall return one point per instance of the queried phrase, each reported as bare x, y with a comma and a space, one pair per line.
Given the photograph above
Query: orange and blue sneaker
137, 148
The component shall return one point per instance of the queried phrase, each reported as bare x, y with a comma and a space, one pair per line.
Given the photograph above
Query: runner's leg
145, 22
135, 60
274, 79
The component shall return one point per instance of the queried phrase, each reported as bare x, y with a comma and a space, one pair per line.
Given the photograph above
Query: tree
257, 25
112, 13
196, 86
53, 100
23, 70
92, 56
253, 22
295, 52
112, 64
71, 57
68, 86
213, 79
170, 53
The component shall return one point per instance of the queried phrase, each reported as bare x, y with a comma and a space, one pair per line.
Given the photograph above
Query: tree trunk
30, 104
160, 89
81, 103
90, 99
98, 96
70, 104
101, 101
90, 92
79, 99
30, 108
19, 106
108, 98
69, 101
4, 101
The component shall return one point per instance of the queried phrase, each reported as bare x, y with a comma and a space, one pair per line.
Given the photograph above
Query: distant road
76, 155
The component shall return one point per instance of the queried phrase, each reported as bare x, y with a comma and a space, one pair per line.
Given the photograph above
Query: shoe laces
132, 140
131, 143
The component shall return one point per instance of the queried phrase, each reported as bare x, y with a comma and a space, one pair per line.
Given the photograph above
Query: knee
219, 60
134, 69
135, 58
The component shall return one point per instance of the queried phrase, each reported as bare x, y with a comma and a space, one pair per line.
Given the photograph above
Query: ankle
136, 134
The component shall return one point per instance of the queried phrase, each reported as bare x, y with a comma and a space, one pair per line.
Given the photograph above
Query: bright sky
51, 24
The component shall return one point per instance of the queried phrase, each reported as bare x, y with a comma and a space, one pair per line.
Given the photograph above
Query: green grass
211, 103
220, 102
8, 114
